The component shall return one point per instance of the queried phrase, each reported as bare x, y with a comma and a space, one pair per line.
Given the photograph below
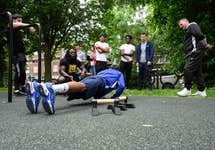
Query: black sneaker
19, 93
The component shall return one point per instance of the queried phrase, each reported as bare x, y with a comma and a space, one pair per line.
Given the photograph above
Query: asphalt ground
156, 123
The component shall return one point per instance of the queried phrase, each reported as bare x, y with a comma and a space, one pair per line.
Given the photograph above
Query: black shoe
19, 93
23, 89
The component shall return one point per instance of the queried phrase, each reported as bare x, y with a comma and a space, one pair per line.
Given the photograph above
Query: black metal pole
10, 52
39, 53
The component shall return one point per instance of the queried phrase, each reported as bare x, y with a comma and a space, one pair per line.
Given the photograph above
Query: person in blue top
144, 58
92, 86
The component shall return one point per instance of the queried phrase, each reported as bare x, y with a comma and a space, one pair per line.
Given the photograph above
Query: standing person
93, 86
19, 57
91, 58
127, 51
194, 44
81, 56
144, 57
102, 51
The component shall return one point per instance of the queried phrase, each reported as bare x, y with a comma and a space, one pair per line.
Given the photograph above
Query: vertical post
10, 55
39, 52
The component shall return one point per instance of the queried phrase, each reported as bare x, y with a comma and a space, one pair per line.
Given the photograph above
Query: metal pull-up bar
10, 51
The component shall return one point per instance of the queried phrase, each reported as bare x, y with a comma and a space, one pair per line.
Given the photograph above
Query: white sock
60, 88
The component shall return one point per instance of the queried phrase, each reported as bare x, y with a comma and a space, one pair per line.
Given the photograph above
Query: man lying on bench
93, 86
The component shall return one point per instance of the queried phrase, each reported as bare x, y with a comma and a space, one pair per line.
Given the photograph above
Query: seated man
70, 68
91, 86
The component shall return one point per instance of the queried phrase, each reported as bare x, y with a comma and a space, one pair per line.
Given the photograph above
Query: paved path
156, 123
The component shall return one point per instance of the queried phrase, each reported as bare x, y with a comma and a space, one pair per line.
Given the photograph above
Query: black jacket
193, 30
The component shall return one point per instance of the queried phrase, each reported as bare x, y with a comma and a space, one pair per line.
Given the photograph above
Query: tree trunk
48, 60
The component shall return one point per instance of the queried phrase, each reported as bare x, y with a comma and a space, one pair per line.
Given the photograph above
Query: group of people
88, 76
97, 60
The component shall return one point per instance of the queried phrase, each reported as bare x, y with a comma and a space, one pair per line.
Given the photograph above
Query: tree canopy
65, 22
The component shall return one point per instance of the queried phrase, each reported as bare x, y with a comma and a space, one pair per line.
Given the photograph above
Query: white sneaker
200, 93
185, 92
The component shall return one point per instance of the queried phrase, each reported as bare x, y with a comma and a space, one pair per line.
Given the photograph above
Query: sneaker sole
47, 107
30, 105
28, 88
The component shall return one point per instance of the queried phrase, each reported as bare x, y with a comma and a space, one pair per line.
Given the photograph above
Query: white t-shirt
102, 56
127, 48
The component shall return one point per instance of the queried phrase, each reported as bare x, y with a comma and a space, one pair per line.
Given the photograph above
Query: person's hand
70, 77
31, 29
209, 46
88, 73
149, 63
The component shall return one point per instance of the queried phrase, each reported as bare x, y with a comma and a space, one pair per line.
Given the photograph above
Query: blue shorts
95, 86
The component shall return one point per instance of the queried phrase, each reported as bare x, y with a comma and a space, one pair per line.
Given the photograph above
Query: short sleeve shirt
101, 56
127, 48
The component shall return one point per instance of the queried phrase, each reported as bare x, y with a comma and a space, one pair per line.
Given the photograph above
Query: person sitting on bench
92, 86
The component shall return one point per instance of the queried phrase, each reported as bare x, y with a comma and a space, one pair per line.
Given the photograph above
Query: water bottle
138, 69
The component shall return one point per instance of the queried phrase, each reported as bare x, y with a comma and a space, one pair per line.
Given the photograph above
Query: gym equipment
8, 15
115, 105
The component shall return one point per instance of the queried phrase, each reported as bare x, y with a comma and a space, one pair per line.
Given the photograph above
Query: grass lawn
162, 92
154, 92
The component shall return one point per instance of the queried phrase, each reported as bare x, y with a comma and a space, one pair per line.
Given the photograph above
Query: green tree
63, 23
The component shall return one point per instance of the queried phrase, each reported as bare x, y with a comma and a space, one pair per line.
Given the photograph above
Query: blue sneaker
33, 97
46, 91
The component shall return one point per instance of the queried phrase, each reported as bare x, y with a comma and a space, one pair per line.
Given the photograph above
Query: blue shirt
114, 80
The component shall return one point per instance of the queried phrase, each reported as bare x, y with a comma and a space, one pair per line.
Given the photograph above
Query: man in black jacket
19, 58
194, 44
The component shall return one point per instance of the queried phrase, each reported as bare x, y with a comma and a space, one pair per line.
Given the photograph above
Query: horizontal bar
105, 101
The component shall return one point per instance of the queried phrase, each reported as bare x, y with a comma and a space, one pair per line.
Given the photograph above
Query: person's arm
20, 24
84, 72
102, 49
121, 86
131, 53
123, 54
151, 54
62, 72
137, 56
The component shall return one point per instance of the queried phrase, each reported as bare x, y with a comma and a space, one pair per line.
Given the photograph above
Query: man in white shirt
127, 51
102, 51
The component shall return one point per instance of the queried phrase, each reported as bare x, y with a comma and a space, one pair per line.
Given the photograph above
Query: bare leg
69, 87
75, 87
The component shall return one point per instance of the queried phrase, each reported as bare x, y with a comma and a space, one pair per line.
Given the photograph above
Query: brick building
32, 65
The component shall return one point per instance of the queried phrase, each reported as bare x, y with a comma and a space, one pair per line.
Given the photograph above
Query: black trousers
144, 71
125, 68
193, 71
100, 65
20, 75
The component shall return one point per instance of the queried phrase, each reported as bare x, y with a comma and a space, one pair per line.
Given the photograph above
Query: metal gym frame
10, 51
